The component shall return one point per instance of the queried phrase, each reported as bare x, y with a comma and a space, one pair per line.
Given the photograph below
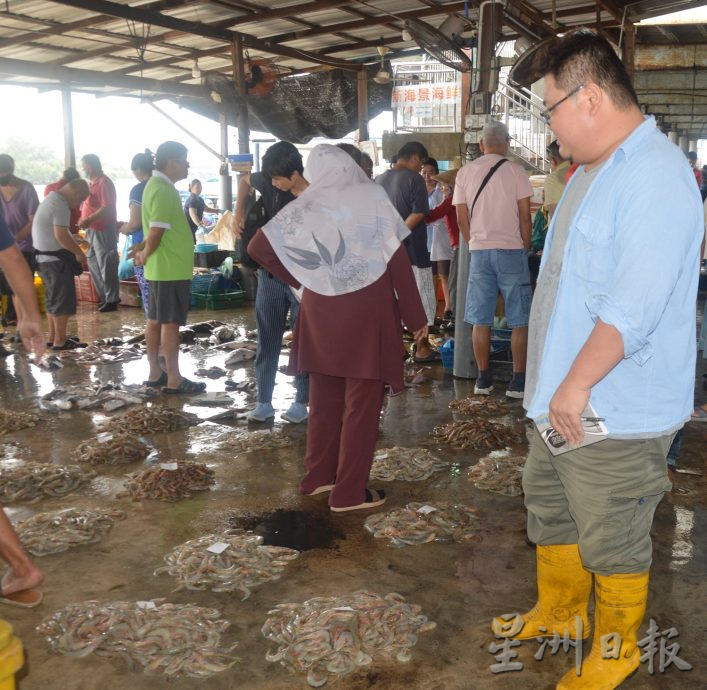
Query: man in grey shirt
50, 233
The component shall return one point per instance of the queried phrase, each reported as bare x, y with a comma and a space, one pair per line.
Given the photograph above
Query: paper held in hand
594, 431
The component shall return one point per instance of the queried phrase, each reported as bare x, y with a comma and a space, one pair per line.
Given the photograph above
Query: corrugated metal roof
91, 36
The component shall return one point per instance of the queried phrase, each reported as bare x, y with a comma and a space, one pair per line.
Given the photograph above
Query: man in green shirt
168, 257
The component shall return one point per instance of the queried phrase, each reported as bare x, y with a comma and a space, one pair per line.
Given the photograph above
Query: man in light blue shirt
612, 324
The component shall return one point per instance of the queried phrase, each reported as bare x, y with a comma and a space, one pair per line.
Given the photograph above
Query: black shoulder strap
489, 175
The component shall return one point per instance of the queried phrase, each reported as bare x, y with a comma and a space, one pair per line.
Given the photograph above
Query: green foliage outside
34, 162
40, 164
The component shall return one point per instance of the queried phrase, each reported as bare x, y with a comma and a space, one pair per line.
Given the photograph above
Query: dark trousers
273, 301
341, 436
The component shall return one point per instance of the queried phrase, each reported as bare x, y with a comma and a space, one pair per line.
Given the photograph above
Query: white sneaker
261, 413
481, 390
296, 414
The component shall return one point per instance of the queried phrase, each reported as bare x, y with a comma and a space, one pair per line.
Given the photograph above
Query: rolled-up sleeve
605, 308
642, 279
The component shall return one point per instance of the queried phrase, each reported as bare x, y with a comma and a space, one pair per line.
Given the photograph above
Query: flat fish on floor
205, 327
211, 372
239, 356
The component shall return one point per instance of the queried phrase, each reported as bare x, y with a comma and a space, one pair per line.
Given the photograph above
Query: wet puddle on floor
295, 529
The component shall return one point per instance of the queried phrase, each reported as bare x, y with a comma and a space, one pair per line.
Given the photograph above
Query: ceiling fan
383, 75
445, 43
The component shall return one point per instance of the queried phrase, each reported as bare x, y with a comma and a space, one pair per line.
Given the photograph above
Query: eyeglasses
546, 114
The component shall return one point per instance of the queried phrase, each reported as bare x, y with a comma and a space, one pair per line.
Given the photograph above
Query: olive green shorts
602, 497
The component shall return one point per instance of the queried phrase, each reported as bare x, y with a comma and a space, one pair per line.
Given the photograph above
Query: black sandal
186, 387
161, 381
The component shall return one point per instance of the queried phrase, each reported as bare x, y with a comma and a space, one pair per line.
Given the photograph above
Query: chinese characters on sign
610, 646
427, 104
426, 94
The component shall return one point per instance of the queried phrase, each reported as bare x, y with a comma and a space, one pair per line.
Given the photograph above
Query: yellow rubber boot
564, 587
620, 607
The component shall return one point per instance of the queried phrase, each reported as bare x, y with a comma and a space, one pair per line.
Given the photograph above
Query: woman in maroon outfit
341, 241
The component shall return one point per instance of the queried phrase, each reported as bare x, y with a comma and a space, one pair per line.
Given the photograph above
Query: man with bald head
50, 235
492, 196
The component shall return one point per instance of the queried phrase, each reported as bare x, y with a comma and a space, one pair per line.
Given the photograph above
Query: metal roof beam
55, 29
91, 79
613, 9
289, 11
366, 23
200, 29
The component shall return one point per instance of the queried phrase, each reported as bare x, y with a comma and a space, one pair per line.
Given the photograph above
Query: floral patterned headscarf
339, 234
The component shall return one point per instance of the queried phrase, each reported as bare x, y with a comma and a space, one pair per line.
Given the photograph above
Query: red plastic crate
130, 294
85, 289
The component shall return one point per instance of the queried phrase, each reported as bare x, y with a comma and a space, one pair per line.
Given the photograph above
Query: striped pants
273, 300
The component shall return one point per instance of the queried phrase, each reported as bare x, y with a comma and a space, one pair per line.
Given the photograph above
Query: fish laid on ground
499, 474
420, 523
104, 354
338, 635
226, 562
13, 420
478, 434
480, 405
106, 396
205, 327
169, 639
406, 464
30, 483
153, 419
237, 345
112, 449
222, 334
211, 372
169, 481
239, 356
55, 532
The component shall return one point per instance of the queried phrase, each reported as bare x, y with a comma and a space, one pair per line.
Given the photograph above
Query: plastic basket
203, 283
219, 299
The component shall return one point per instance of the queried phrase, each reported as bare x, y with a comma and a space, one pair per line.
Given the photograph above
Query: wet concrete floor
460, 586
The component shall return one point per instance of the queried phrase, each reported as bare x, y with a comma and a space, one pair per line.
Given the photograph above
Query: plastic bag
223, 233
126, 267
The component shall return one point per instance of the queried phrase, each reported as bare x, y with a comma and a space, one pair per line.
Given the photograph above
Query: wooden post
362, 92
628, 54
239, 80
69, 152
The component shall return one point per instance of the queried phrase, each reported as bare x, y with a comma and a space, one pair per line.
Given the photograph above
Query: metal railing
529, 134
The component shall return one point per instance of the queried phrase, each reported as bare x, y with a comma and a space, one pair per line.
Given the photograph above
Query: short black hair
433, 162
282, 160
352, 150
412, 148
93, 161
168, 151
394, 159
142, 162
582, 56
553, 150
692, 155
70, 174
